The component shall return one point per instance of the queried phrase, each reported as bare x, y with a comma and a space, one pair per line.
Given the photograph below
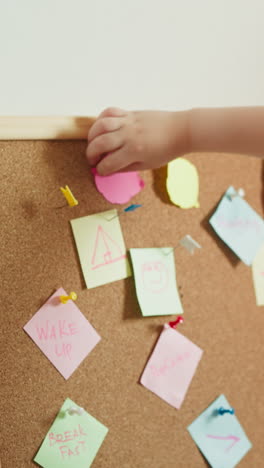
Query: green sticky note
101, 248
155, 279
73, 440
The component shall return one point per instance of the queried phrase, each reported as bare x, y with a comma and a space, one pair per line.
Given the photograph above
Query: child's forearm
149, 139
229, 130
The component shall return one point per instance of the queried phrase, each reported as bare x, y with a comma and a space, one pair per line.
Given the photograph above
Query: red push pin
178, 320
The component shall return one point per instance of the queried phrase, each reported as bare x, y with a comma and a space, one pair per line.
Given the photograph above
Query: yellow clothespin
65, 299
69, 196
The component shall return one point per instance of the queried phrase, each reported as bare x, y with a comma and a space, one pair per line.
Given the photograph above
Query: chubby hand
122, 140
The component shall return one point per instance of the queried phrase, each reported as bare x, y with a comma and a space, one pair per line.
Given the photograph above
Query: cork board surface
38, 255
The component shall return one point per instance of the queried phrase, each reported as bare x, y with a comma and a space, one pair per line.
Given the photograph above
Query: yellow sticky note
101, 248
183, 183
258, 276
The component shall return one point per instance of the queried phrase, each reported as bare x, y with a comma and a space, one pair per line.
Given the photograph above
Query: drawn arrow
229, 437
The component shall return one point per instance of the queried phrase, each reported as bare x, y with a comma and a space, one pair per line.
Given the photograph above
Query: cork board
38, 255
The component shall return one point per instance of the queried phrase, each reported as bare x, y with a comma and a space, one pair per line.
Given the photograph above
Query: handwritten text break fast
66, 451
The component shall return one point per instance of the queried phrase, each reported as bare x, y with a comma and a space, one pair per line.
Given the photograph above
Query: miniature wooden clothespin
69, 196
188, 243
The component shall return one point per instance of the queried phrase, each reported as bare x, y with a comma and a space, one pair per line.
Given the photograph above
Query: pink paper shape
118, 188
62, 333
171, 366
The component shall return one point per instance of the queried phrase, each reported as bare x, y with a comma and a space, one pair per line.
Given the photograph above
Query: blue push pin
129, 208
132, 207
222, 411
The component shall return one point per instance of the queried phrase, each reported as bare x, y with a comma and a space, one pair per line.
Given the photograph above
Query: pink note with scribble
119, 187
62, 333
171, 366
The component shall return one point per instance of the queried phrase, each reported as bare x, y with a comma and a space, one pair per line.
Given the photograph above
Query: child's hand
129, 141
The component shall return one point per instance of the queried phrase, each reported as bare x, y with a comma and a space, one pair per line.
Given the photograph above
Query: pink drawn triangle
106, 250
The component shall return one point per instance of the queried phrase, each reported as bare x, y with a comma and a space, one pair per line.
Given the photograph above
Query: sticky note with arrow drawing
220, 438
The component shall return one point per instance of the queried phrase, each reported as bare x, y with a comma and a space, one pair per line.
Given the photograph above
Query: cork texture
38, 254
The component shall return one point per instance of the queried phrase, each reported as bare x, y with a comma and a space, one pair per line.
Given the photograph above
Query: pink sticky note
62, 333
171, 366
118, 188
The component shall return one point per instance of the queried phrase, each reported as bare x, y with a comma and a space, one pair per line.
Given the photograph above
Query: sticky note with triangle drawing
101, 248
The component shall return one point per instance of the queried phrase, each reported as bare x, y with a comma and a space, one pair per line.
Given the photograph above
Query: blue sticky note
239, 226
221, 439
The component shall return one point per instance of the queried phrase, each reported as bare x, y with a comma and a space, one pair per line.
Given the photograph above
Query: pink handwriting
54, 332
66, 452
66, 436
106, 250
155, 276
168, 364
58, 332
238, 223
230, 437
63, 350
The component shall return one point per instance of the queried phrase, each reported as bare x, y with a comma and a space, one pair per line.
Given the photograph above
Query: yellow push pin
65, 299
69, 196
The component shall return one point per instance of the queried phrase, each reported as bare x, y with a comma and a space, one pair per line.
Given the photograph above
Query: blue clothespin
129, 208
222, 411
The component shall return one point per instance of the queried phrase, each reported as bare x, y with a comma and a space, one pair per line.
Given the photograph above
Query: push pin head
132, 207
241, 192
75, 410
188, 243
176, 322
223, 411
238, 193
129, 208
65, 299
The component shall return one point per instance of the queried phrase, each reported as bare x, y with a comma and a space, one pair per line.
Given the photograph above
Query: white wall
79, 56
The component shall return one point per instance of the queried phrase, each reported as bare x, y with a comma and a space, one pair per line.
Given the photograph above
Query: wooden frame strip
44, 127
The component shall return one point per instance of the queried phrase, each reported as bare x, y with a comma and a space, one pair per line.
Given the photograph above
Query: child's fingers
111, 163
113, 112
104, 125
101, 145
137, 166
